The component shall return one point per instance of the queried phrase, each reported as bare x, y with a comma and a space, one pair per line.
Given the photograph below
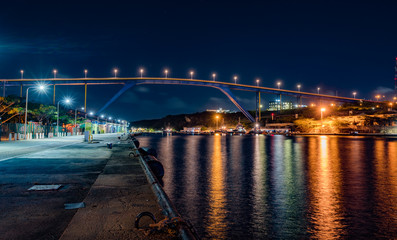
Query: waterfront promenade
112, 186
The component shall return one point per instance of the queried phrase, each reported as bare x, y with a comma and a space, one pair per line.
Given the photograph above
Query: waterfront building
275, 105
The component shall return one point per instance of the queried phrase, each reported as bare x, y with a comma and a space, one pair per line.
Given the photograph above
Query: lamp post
377, 97
318, 90
141, 71
257, 82
75, 120
67, 101
213, 77
322, 110
55, 73
354, 95
22, 74
191, 74
166, 73
278, 85
299, 87
115, 72
85, 73
41, 88
235, 79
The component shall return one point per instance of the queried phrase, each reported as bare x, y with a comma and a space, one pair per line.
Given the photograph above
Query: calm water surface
261, 187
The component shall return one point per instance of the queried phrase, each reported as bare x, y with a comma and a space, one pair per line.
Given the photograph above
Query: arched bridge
224, 87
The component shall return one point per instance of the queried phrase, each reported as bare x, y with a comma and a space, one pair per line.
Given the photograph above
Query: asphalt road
77, 166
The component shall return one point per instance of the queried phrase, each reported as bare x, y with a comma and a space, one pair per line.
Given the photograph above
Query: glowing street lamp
278, 85
166, 73
22, 74
213, 77
67, 101
191, 74
115, 72
235, 79
299, 87
354, 95
141, 71
318, 90
377, 97
322, 110
85, 73
41, 88
55, 73
257, 82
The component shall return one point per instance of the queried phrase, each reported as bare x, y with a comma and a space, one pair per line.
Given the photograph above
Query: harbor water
282, 187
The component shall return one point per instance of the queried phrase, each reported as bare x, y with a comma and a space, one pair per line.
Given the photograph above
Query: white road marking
5, 159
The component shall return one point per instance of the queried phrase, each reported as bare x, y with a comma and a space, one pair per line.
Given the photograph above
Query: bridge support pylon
234, 100
118, 94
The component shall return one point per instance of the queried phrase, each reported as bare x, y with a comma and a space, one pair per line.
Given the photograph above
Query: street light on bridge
115, 72
21, 74
166, 73
354, 95
278, 85
257, 82
235, 79
377, 97
55, 73
191, 74
299, 87
85, 73
318, 90
141, 71
41, 88
213, 76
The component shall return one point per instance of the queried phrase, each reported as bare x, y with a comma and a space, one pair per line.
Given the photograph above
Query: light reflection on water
261, 187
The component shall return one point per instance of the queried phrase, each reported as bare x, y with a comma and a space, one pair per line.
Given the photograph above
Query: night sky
334, 45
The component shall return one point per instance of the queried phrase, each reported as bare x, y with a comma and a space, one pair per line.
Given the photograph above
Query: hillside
203, 119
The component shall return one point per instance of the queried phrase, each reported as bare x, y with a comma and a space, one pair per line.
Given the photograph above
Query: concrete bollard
37, 136
15, 136
10, 137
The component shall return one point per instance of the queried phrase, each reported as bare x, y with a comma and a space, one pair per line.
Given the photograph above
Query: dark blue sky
334, 45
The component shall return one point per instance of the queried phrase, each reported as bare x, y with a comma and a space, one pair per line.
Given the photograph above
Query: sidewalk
118, 195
